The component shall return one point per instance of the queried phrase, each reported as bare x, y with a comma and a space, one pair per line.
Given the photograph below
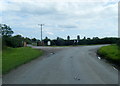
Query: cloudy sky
90, 18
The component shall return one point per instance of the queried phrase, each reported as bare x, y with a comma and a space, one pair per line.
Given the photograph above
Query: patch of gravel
49, 50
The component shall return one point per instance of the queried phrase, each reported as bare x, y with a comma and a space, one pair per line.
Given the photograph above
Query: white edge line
115, 68
99, 57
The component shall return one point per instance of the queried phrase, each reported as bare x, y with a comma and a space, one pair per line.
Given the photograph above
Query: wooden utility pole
41, 32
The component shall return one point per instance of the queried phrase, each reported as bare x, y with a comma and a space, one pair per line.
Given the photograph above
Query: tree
88, 38
5, 33
60, 41
118, 42
5, 30
46, 40
78, 38
84, 38
68, 38
67, 42
96, 38
34, 39
27, 40
15, 41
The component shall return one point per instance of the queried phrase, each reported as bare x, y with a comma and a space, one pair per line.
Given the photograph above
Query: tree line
18, 40
85, 41
13, 41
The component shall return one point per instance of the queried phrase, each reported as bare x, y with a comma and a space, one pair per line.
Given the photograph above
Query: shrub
14, 42
118, 42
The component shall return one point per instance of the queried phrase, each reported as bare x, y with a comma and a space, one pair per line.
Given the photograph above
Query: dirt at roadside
48, 51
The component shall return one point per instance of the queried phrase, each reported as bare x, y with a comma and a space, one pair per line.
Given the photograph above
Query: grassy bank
14, 57
110, 53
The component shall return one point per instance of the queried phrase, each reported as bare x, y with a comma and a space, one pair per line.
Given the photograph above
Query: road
70, 65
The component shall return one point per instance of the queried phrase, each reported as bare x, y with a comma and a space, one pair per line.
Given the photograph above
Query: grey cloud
31, 9
67, 26
84, 17
38, 11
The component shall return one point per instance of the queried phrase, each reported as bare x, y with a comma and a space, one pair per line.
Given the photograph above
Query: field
110, 52
14, 57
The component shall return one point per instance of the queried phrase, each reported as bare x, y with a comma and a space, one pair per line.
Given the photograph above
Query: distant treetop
5, 30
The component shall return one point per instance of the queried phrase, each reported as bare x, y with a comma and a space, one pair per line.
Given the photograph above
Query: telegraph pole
41, 32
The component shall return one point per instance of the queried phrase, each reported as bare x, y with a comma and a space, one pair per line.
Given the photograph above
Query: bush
118, 42
14, 42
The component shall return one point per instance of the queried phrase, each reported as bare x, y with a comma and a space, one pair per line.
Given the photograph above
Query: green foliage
110, 52
60, 41
118, 42
46, 40
53, 43
8, 39
68, 38
34, 40
84, 41
0, 62
0, 44
13, 57
15, 41
78, 37
5, 30
28, 40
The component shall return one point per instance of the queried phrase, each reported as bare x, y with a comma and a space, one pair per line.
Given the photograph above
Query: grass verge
0, 62
14, 57
111, 53
74, 45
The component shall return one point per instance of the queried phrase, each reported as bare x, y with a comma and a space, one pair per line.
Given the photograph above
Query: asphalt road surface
70, 65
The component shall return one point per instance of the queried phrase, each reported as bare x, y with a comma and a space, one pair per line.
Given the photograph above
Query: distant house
49, 43
24, 44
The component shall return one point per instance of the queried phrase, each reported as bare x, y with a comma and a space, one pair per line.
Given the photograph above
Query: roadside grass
59, 46
111, 52
74, 45
14, 57
0, 62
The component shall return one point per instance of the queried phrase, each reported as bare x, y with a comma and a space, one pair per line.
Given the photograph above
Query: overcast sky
90, 18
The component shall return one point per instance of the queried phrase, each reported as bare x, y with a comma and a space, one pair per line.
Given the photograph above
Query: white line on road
115, 68
77, 76
99, 57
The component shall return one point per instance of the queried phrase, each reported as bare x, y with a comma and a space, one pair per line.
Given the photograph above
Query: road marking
52, 53
115, 68
99, 57
77, 76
